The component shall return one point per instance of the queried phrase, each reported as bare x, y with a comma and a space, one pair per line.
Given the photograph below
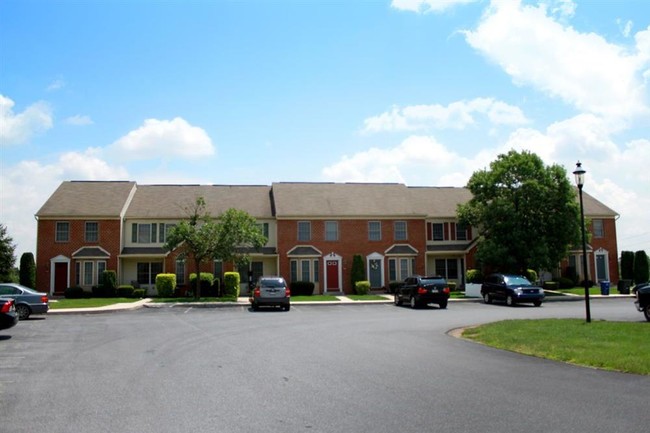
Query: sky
420, 92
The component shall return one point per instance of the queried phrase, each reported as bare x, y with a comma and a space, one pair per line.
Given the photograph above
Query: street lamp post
580, 181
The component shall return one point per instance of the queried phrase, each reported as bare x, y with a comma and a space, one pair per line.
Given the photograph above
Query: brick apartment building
313, 231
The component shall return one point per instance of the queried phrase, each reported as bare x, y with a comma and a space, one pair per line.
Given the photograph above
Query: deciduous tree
526, 213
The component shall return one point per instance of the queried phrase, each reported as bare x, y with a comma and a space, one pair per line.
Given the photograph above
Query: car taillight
422, 291
44, 299
445, 290
287, 293
7, 307
256, 293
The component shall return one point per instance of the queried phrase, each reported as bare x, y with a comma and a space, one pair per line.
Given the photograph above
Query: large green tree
526, 213
7, 257
202, 238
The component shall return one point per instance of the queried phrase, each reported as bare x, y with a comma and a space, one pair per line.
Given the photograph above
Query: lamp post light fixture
580, 181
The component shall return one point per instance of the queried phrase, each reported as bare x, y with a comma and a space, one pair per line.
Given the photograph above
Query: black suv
513, 289
419, 291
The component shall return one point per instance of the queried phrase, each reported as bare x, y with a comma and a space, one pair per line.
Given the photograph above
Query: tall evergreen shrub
27, 274
358, 271
627, 265
231, 282
641, 267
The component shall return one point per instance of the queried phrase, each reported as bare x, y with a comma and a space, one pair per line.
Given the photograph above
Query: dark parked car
514, 289
28, 301
271, 291
643, 299
419, 291
8, 316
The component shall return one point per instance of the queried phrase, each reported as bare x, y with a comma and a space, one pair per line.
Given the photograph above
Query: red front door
333, 275
60, 277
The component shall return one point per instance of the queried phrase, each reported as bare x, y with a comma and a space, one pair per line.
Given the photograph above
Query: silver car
28, 301
271, 291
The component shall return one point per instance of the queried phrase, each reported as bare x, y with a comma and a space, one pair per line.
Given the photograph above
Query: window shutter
134, 233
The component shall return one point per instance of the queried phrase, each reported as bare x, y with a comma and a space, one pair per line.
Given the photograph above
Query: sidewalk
243, 301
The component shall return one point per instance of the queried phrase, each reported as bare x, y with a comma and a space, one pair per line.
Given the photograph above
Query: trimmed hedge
165, 284
206, 283
474, 276
452, 286
362, 287
231, 282
74, 292
125, 291
301, 288
138, 293
393, 285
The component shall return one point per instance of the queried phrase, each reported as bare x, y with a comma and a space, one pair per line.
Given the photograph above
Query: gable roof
95, 199
172, 201
595, 208
438, 202
342, 200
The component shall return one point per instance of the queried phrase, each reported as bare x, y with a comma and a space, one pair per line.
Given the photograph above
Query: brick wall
353, 239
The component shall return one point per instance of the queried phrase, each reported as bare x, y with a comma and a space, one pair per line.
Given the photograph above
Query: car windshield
272, 283
433, 280
517, 281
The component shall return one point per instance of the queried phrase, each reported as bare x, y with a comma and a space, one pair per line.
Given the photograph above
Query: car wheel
443, 305
646, 312
537, 303
287, 307
22, 311
414, 303
510, 301
397, 300
256, 307
487, 298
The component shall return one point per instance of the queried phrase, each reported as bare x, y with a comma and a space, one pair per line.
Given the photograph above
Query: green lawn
189, 299
620, 346
314, 298
367, 298
88, 302
592, 291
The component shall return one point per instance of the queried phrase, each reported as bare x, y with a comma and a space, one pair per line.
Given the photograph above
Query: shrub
627, 265
301, 288
124, 291
27, 273
74, 292
550, 285
165, 284
231, 282
531, 275
452, 286
358, 272
565, 283
474, 276
393, 285
138, 293
362, 287
206, 283
641, 267
216, 287
571, 273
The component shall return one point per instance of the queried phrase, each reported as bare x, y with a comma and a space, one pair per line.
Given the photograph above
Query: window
400, 231
461, 232
374, 230
180, 271
400, 269
144, 233
447, 268
264, 228
331, 230
92, 232
147, 272
257, 268
101, 267
598, 229
62, 231
87, 277
438, 231
163, 231
304, 269
304, 230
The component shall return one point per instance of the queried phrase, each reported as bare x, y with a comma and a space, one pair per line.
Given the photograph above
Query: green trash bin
604, 288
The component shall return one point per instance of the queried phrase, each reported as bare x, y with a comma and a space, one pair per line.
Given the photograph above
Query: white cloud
426, 6
456, 115
79, 120
626, 28
18, 128
56, 85
27, 185
583, 69
164, 139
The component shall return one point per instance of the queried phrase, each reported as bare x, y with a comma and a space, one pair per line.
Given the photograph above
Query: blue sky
422, 92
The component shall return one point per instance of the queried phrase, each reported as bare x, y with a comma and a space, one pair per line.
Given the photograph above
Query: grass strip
618, 346
88, 302
314, 298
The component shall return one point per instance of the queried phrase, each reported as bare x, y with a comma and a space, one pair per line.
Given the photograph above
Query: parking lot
329, 368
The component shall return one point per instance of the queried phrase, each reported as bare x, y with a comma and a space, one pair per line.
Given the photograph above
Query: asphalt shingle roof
88, 199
